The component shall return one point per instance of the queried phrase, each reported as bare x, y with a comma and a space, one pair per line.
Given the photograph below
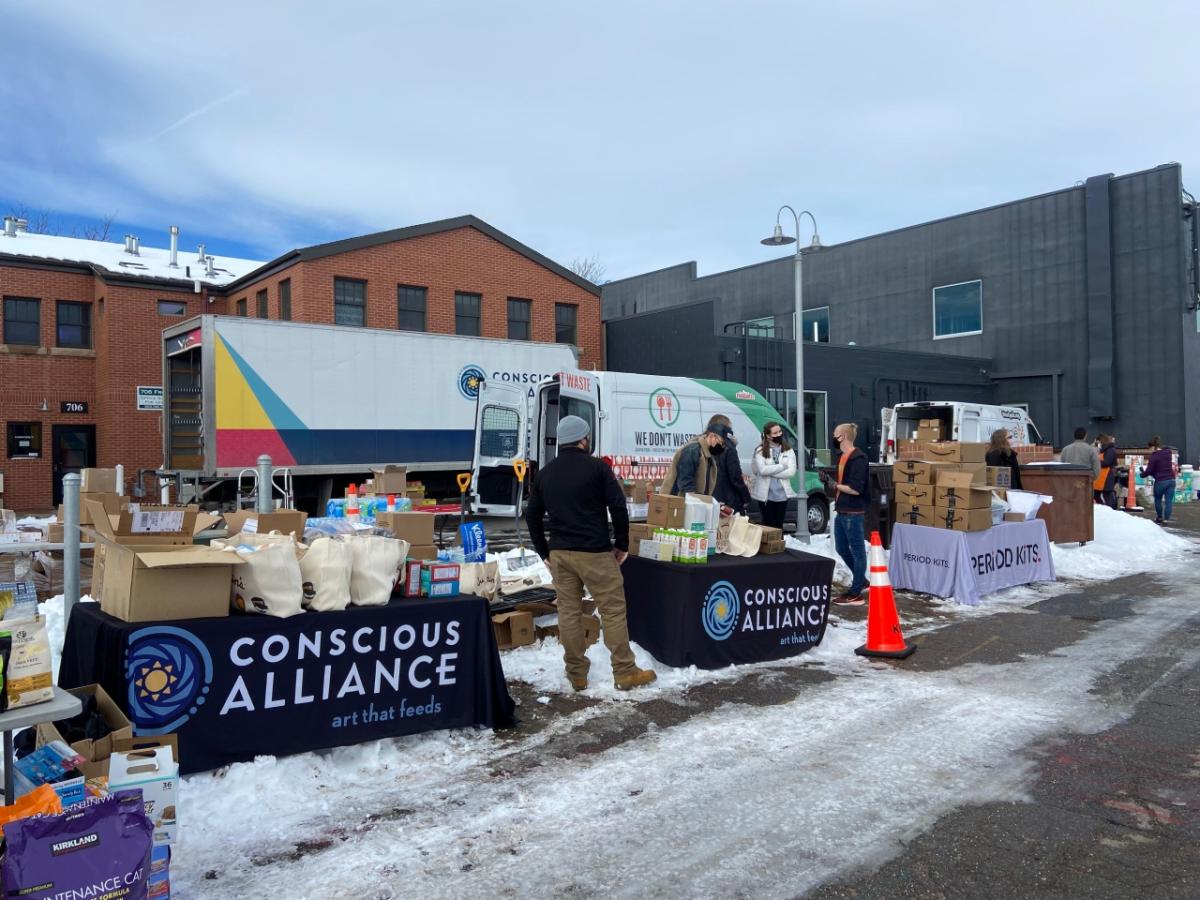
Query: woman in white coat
774, 465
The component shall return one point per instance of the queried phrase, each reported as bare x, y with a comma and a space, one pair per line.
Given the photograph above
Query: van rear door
501, 438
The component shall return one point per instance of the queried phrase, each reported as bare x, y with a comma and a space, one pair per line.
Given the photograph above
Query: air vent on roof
132, 265
200, 251
208, 266
174, 263
10, 226
22, 225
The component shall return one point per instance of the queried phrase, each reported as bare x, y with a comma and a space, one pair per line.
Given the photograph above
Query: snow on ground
854, 767
37, 521
56, 627
1124, 544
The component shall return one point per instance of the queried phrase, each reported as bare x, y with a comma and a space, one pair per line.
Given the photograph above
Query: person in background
1104, 488
774, 464
580, 493
696, 464
1161, 468
853, 494
1002, 455
731, 490
1081, 453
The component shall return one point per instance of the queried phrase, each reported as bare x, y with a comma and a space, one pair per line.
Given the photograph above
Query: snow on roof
150, 262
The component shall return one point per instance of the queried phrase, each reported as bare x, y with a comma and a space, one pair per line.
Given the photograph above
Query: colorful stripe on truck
252, 420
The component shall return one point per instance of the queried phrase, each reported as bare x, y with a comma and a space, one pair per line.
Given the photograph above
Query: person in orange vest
1104, 487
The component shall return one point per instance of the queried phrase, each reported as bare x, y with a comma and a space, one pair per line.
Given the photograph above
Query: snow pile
1123, 544
56, 626
37, 521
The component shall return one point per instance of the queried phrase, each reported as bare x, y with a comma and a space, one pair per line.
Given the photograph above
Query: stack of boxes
664, 511
946, 484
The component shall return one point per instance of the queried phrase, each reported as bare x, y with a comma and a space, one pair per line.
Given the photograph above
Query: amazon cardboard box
915, 515
98, 481
666, 511
998, 476
96, 751
285, 521
931, 430
978, 470
963, 519
956, 451
414, 527
914, 494
914, 471
391, 480
513, 629
959, 490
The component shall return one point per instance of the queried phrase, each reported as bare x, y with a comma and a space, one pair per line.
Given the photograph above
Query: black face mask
717, 450
777, 439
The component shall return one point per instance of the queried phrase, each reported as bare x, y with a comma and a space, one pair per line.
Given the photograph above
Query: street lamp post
778, 239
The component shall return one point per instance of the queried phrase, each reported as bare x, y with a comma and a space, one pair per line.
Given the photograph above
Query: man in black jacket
853, 496
577, 490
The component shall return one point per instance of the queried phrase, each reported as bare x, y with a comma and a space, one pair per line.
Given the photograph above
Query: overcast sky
647, 133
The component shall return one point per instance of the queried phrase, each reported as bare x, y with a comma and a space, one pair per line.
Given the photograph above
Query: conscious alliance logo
719, 613
168, 672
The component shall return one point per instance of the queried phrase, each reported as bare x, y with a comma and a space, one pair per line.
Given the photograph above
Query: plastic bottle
391, 502
352, 511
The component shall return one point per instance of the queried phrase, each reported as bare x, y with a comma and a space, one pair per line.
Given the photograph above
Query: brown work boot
578, 684
637, 678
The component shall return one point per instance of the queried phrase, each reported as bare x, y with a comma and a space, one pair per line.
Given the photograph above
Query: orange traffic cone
1131, 502
884, 638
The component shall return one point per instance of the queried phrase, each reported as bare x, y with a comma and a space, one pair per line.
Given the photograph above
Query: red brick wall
459, 260
127, 331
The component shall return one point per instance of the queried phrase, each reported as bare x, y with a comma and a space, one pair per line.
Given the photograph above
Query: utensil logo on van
469, 380
664, 407
168, 671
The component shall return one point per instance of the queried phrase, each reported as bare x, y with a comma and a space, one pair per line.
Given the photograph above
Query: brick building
82, 321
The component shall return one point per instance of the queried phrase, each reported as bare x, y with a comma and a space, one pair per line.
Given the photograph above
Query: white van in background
970, 422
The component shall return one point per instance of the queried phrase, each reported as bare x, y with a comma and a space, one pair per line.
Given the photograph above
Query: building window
241, 307
24, 440
22, 321
467, 313
410, 307
349, 301
566, 329
520, 317
171, 308
285, 300
761, 328
74, 324
958, 309
260, 301
816, 325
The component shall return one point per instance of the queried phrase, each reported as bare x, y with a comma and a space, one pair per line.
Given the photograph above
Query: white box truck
971, 422
330, 402
638, 422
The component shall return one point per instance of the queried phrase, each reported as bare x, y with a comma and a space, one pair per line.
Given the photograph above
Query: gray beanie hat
572, 430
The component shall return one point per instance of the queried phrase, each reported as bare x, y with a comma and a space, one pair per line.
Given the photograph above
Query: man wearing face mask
853, 494
695, 467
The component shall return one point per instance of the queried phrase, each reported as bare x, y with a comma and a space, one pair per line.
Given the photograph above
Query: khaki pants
599, 572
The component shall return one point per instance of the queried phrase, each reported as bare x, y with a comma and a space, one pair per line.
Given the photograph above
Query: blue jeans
849, 539
1164, 499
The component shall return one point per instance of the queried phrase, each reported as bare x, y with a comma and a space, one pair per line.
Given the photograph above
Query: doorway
73, 448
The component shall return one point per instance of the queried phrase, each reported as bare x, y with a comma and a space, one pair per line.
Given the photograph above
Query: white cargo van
638, 422
971, 422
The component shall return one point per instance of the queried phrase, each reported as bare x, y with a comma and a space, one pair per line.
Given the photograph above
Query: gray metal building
1081, 303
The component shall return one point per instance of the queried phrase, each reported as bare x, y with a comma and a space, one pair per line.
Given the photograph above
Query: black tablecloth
730, 610
244, 686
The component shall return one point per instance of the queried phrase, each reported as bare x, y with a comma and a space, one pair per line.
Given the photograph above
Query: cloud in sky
646, 133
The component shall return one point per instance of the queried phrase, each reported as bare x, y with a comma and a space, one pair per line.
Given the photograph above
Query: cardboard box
414, 527
443, 589
914, 471
442, 571
962, 519
959, 490
122, 729
660, 551
666, 511
911, 449
770, 548
391, 480
915, 515
112, 504
639, 532
998, 476
914, 494
422, 551
1014, 517
98, 481
285, 521
591, 630
978, 470
55, 533
956, 451
152, 765
411, 578
513, 629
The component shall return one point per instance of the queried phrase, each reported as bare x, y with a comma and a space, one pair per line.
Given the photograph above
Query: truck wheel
818, 515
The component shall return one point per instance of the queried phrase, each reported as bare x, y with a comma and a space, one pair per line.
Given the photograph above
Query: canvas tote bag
376, 565
325, 574
268, 582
